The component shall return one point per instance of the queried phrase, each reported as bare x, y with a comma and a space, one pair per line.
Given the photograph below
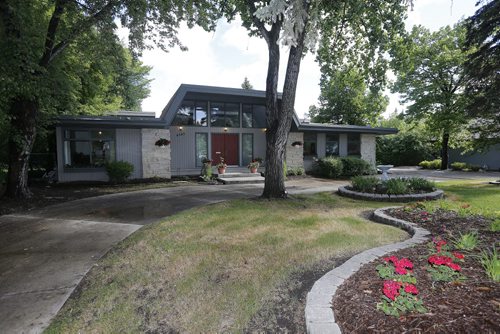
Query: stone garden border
343, 191
318, 312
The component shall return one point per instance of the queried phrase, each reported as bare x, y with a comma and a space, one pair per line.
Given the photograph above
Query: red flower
410, 288
392, 259
458, 255
454, 266
405, 263
439, 260
400, 270
391, 289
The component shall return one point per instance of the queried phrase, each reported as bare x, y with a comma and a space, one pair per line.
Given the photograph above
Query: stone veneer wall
295, 155
155, 160
368, 148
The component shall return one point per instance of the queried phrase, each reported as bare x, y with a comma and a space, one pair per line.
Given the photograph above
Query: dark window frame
194, 118
224, 110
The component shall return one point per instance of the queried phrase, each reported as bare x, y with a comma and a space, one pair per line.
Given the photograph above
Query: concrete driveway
443, 175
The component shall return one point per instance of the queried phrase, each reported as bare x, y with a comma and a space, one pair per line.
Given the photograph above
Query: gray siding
128, 148
491, 158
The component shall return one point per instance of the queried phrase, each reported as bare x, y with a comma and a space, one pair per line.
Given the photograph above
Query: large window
191, 113
247, 148
201, 148
353, 144
88, 148
332, 145
254, 116
310, 140
225, 114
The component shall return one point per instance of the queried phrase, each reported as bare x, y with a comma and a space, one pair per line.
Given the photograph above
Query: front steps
240, 178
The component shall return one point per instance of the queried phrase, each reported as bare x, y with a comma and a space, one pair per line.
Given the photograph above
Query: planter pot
253, 170
221, 170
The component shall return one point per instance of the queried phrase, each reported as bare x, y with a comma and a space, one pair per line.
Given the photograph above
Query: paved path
443, 175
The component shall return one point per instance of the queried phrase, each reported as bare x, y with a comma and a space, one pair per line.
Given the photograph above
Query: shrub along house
199, 122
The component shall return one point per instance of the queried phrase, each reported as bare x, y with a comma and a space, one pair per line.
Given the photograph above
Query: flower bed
438, 287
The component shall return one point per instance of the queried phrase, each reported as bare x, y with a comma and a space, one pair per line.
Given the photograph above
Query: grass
210, 269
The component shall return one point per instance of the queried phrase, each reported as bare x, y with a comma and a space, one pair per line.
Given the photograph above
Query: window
225, 114
201, 148
332, 145
88, 148
353, 144
247, 148
254, 116
191, 113
309, 144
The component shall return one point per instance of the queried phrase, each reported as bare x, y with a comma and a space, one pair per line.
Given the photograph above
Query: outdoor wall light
225, 129
180, 128
264, 130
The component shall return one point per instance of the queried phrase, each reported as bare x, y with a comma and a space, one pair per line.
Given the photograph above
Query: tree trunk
23, 114
444, 150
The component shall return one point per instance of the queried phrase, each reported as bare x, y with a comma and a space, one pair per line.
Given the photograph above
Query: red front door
225, 145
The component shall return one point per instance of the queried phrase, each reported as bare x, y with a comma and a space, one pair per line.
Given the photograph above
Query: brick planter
343, 191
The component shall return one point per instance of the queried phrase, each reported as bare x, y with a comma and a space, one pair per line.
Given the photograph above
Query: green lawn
210, 269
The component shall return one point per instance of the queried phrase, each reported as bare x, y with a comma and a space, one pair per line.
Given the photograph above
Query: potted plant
206, 170
221, 166
253, 166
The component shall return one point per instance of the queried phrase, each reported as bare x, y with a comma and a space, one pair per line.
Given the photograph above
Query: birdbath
384, 169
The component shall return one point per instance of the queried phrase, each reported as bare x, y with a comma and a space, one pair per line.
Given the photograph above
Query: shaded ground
469, 306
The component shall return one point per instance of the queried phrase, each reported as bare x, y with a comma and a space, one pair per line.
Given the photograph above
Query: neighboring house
200, 121
489, 158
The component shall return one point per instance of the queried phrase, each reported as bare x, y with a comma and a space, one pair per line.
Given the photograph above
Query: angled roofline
134, 122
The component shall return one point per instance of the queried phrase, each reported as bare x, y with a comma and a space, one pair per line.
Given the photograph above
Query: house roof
338, 128
115, 121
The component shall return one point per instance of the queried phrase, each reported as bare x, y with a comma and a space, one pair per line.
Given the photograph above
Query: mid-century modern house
199, 122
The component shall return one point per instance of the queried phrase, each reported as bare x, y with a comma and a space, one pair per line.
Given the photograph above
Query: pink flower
392, 259
458, 255
454, 266
400, 270
439, 260
410, 288
405, 263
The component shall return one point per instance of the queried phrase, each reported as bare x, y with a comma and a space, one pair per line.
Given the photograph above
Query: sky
228, 55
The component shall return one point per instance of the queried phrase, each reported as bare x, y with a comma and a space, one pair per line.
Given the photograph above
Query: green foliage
491, 264
345, 99
295, 171
481, 68
466, 241
474, 168
434, 164
444, 274
366, 184
420, 184
403, 304
430, 78
356, 166
3, 173
330, 167
206, 171
495, 225
246, 84
458, 165
396, 186
119, 171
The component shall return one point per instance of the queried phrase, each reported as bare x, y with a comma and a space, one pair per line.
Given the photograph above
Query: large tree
33, 36
483, 71
346, 99
431, 80
355, 25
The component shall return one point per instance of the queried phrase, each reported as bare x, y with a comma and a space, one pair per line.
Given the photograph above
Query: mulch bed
470, 306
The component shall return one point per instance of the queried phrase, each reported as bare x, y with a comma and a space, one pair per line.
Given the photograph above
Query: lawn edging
343, 191
318, 312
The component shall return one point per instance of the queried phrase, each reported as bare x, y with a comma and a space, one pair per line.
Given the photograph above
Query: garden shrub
365, 184
119, 171
356, 166
474, 168
404, 149
420, 184
397, 186
458, 165
330, 167
295, 171
434, 164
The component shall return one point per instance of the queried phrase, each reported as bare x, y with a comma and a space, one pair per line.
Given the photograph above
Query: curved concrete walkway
44, 254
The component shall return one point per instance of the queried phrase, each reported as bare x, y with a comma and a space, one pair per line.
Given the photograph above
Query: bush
404, 149
397, 186
119, 171
419, 184
434, 164
295, 171
3, 174
458, 165
356, 166
474, 168
330, 167
365, 184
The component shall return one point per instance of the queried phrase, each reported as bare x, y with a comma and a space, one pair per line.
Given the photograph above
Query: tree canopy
431, 79
482, 69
